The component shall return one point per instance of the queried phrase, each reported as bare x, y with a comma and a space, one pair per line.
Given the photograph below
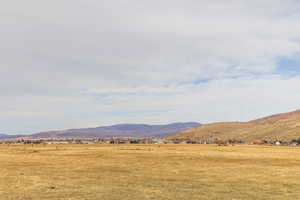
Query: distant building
277, 143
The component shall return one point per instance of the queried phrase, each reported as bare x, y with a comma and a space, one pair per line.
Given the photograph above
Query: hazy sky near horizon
85, 63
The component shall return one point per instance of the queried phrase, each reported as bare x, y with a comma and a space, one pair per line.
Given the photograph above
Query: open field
138, 172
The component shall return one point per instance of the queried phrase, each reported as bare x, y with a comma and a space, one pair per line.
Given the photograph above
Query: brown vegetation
283, 127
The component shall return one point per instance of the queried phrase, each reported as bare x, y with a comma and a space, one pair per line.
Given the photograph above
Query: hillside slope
284, 126
121, 130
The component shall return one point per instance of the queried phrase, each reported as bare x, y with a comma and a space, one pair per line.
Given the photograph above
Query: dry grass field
142, 172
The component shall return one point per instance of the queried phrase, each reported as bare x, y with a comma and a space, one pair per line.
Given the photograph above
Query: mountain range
6, 136
284, 127
120, 130
2, 135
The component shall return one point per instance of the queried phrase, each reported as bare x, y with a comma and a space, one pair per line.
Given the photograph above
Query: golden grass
138, 172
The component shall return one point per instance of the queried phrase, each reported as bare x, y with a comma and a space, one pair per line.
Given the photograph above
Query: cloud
84, 63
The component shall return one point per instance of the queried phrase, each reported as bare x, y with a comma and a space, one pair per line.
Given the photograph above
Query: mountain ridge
121, 130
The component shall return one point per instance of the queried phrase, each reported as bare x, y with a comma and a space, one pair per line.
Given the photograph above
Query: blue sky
71, 64
289, 66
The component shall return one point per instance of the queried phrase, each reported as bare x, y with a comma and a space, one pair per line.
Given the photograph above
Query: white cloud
71, 64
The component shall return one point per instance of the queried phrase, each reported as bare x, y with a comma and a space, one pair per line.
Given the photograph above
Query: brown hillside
282, 117
284, 126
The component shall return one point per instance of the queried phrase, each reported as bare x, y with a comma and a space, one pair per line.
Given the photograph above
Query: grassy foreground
138, 172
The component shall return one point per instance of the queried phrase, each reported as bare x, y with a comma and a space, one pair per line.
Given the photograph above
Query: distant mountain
121, 130
284, 126
6, 136
2, 135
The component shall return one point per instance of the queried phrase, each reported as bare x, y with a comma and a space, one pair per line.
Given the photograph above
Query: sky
87, 63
